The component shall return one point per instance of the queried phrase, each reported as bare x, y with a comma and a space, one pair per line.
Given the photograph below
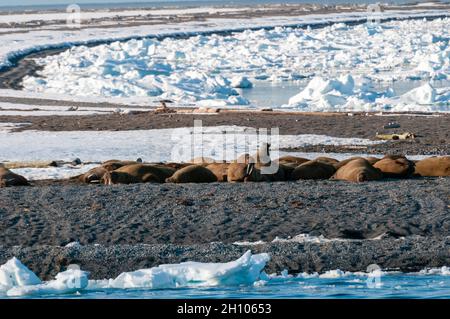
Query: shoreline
408, 255
394, 223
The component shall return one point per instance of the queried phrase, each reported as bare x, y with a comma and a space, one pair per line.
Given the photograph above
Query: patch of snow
158, 145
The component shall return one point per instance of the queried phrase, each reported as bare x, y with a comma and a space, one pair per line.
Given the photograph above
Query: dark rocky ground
178, 222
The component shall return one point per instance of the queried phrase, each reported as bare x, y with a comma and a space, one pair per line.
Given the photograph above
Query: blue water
104, 4
392, 286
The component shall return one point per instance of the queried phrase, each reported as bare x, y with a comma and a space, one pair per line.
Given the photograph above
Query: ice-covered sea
340, 67
242, 278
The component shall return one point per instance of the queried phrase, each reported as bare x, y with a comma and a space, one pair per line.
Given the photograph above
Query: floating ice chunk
67, 282
325, 92
245, 270
443, 271
422, 95
241, 82
337, 273
15, 274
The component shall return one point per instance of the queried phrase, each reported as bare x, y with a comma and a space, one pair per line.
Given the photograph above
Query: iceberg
15, 274
245, 270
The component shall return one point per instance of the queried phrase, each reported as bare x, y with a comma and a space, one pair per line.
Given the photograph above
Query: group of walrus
250, 168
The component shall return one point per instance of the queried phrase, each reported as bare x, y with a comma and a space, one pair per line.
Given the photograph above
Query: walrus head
249, 169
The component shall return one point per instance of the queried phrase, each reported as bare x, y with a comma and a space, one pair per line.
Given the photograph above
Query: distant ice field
335, 68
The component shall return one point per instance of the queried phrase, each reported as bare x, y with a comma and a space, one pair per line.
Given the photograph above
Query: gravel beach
179, 222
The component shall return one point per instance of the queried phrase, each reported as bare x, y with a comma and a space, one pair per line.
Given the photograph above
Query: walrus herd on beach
247, 168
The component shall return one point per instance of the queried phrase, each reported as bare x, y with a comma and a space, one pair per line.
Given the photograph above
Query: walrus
372, 160
192, 174
220, 170
342, 163
433, 167
8, 178
138, 173
313, 170
292, 160
327, 160
395, 167
358, 170
255, 173
237, 172
93, 175
112, 165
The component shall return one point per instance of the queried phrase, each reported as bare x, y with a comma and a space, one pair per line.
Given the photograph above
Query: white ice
17, 280
207, 70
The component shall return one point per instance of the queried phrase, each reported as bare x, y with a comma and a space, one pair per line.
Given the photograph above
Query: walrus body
313, 170
327, 160
93, 175
292, 160
433, 167
342, 163
112, 165
358, 170
237, 172
395, 167
220, 170
138, 173
192, 174
8, 178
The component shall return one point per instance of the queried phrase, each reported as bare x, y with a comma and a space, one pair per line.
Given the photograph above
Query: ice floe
206, 69
17, 280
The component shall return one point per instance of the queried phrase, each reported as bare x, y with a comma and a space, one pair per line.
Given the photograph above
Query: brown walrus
292, 160
433, 167
220, 170
112, 165
395, 166
237, 172
372, 160
93, 175
313, 170
8, 178
327, 160
138, 173
192, 174
358, 170
342, 163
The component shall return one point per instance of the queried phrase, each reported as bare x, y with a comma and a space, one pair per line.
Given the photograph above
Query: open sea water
394, 285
